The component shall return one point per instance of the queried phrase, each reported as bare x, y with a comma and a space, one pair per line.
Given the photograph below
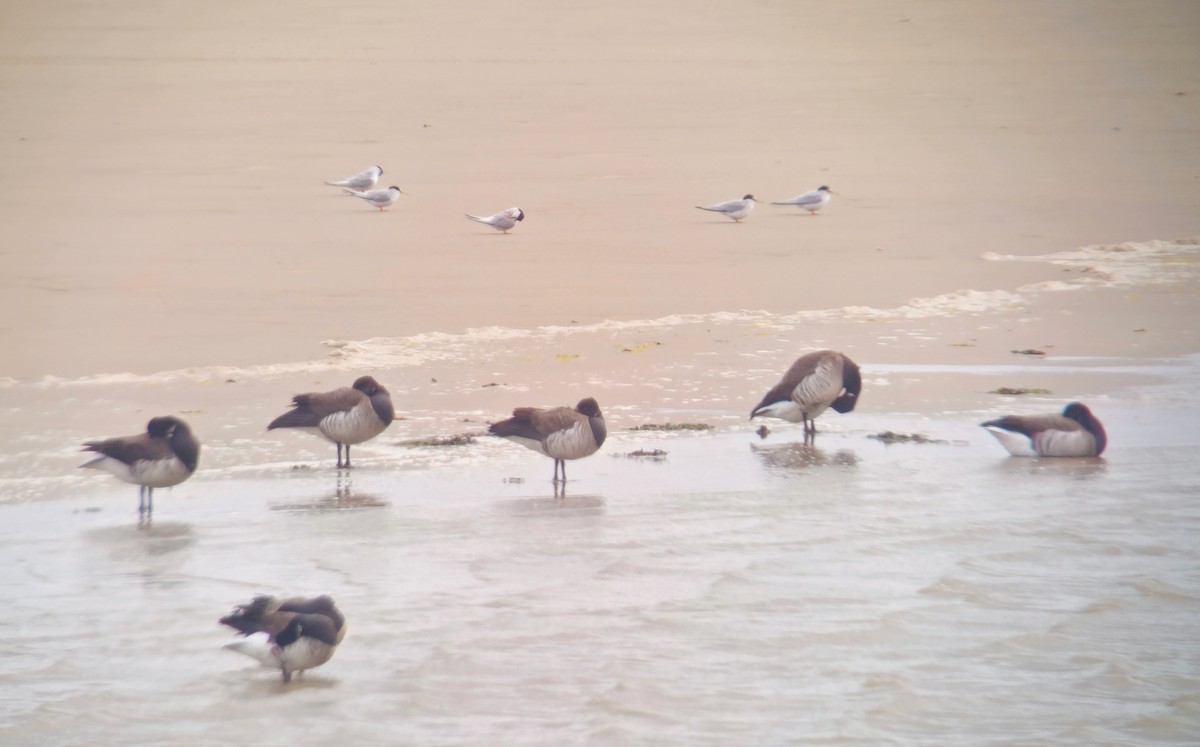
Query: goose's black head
165, 426
1080, 413
291, 633
368, 385
179, 435
589, 407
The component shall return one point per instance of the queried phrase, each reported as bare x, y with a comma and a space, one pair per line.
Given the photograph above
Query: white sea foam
1117, 265
485, 343
1112, 265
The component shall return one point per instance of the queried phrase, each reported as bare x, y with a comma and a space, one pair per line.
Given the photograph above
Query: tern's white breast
741, 211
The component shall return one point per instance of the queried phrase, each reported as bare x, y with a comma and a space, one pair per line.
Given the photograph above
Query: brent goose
165, 455
290, 635
1075, 433
346, 416
825, 378
560, 433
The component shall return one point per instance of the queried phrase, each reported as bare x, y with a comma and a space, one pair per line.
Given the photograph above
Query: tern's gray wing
362, 180
808, 198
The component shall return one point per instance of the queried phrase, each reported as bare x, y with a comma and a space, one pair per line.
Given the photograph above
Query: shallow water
737, 590
741, 590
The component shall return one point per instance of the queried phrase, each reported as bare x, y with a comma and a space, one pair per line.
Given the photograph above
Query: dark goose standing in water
1075, 433
560, 433
164, 456
346, 416
816, 381
290, 635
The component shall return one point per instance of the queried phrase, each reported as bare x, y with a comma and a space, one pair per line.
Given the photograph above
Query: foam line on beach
1109, 265
1116, 265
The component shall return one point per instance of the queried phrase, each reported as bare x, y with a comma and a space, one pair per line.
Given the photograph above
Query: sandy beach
1009, 177
172, 161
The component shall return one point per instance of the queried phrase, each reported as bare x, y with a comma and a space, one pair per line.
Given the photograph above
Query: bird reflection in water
1079, 468
559, 504
344, 498
798, 455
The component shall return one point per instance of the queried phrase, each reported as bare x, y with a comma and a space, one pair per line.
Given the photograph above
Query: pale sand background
162, 204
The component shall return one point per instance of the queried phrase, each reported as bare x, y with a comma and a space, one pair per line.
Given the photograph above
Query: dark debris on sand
460, 439
656, 455
890, 437
673, 427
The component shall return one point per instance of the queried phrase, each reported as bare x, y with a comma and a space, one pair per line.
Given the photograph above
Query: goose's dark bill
815, 382
291, 635
1075, 433
164, 456
560, 433
346, 416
